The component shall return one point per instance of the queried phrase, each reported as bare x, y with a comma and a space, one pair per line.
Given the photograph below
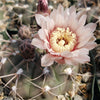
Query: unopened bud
27, 49
42, 7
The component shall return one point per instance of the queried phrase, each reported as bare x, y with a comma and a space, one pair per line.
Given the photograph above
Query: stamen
62, 40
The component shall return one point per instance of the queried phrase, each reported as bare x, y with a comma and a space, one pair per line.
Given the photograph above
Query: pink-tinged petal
72, 9
57, 18
84, 39
44, 22
47, 45
91, 26
60, 9
72, 21
92, 39
50, 24
66, 13
90, 45
47, 60
40, 19
83, 51
81, 44
60, 61
79, 31
59, 21
79, 56
84, 35
43, 34
54, 53
66, 16
82, 20
81, 13
38, 43
53, 13
82, 31
81, 59
66, 54
69, 62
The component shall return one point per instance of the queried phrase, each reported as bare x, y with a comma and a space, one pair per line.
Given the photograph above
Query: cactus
21, 73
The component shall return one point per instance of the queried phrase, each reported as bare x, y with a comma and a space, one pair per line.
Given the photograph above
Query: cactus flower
65, 37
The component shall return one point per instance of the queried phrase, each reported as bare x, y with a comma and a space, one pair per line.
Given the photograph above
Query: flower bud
42, 7
26, 49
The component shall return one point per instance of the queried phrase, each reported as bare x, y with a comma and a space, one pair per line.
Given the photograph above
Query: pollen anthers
62, 40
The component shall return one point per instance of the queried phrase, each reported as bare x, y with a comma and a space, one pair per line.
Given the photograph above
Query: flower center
62, 40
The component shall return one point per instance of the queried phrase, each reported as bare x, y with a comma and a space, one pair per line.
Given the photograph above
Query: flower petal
84, 40
66, 13
70, 62
60, 61
72, 9
71, 18
84, 35
90, 45
81, 13
44, 22
50, 23
57, 17
81, 59
40, 19
82, 20
66, 54
47, 60
43, 34
91, 26
66, 16
60, 9
59, 20
79, 56
81, 51
38, 43
72, 21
